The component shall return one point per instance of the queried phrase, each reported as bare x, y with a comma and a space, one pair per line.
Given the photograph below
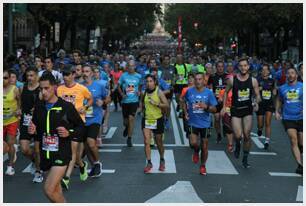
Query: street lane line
180, 192
219, 163
105, 171
263, 153
175, 127
284, 174
299, 195
181, 124
257, 142
169, 159
110, 150
110, 133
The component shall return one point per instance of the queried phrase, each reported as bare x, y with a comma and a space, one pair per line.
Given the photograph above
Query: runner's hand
202, 105
31, 128
99, 102
62, 132
277, 116
256, 107
186, 116
153, 102
222, 112
82, 110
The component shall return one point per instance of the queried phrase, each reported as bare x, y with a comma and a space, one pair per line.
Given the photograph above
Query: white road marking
110, 133
219, 163
180, 192
175, 127
284, 174
181, 124
169, 159
263, 153
104, 171
110, 150
28, 169
299, 195
257, 142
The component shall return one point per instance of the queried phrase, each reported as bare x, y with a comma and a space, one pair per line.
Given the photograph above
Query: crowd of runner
62, 104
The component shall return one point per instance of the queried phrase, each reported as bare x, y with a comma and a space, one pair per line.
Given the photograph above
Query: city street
270, 179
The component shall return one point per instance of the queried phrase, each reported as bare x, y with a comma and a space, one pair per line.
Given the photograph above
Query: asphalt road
270, 179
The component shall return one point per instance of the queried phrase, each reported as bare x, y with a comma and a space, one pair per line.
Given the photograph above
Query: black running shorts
293, 124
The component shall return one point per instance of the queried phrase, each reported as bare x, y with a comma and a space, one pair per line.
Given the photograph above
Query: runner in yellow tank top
153, 121
11, 112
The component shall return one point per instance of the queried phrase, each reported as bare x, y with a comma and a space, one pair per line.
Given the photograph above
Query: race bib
130, 89
181, 77
7, 113
69, 98
151, 124
266, 94
196, 108
50, 143
89, 112
27, 119
217, 92
243, 95
293, 96
228, 110
168, 82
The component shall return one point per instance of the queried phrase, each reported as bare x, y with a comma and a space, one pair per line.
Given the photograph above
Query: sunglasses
5, 77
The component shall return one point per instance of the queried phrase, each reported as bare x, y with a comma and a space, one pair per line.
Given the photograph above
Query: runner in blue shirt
290, 100
129, 88
199, 103
94, 118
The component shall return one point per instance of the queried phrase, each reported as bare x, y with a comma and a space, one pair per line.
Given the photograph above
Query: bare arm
163, 101
256, 90
229, 86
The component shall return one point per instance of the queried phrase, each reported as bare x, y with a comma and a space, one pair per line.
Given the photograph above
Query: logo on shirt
293, 96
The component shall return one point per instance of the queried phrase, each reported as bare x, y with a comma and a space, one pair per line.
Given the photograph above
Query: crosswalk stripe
219, 163
284, 174
105, 171
180, 192
263, 153
169, 159
110, 133
299, 195
140, 145
110, 150
257, 142
175, 127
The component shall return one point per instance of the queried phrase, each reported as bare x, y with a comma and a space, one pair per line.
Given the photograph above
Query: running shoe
245, 163
10, 171
266, 145
96, 171
65, 183
259, 132
125, 132
219, 138
230, 148
195, 157
299, 170
129, 142
38, 177
148, 168
203, 170
162, 166
84, 175
237, 150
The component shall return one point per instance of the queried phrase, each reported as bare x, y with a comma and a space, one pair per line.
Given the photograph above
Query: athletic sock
267, 140
149, 162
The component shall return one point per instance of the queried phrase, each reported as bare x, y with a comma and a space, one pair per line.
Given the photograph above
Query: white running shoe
38, 177
10, 171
